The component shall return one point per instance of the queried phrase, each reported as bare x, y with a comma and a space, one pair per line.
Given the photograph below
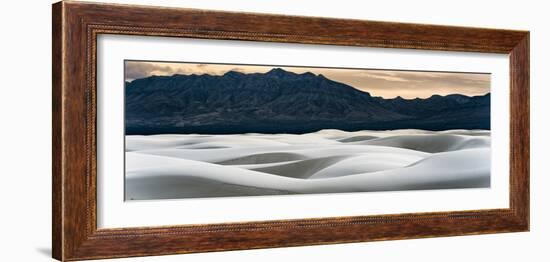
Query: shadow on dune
329, 161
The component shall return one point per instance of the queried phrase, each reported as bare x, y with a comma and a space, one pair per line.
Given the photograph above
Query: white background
25, 145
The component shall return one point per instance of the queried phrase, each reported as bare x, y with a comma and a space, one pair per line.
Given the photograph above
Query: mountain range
279, 101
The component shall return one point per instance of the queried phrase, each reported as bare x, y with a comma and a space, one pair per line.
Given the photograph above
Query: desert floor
328, 161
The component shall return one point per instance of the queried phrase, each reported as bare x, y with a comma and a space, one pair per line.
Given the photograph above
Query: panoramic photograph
200, 130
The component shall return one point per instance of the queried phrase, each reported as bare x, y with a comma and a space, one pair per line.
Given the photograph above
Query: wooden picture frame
76, 26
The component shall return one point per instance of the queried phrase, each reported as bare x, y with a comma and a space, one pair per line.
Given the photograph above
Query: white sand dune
328, 161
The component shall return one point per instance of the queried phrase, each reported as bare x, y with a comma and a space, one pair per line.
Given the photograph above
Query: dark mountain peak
459, 98
308, 74
233, 73
282, 101
183, 75
278, 72
456, 95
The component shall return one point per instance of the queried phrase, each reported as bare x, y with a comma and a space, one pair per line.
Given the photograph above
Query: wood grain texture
57, 190
76, 26
519, 129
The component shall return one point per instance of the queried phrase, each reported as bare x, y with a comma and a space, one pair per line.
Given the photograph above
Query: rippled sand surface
328, 161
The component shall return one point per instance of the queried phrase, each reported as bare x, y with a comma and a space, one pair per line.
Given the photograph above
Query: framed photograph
180, 130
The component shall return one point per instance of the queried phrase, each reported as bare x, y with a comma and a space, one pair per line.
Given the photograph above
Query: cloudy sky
385, 83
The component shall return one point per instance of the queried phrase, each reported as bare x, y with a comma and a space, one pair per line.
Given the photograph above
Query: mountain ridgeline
285, 102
